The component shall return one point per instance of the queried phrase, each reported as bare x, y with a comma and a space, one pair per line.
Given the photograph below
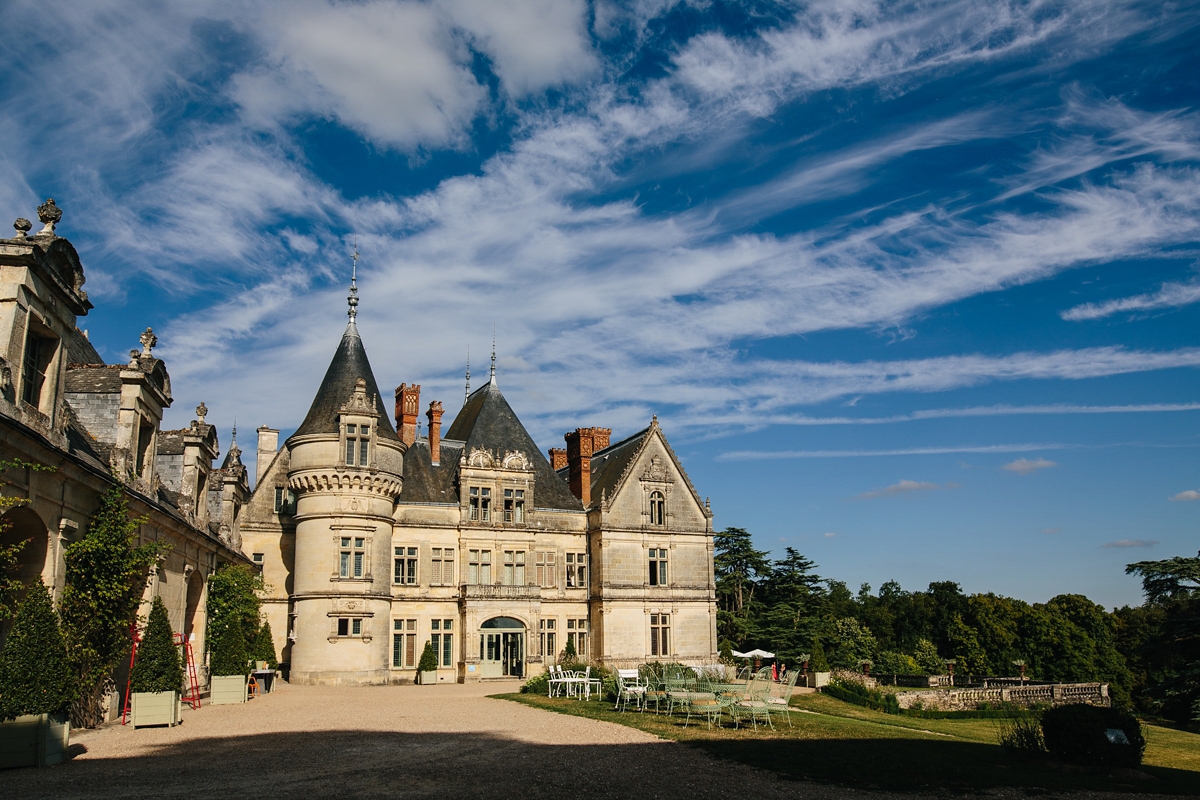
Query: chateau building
89, 425
375, 540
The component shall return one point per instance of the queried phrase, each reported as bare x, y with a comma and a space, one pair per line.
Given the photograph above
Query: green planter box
34, 740
228, 690
427, 678
155, 708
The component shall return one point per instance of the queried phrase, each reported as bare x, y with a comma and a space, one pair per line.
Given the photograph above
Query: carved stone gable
657, 471
515, 459
480, 457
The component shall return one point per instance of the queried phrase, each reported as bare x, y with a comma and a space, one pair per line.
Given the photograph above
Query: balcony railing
481, 591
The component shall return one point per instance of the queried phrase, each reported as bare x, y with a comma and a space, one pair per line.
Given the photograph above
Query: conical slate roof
487, 421
349, 364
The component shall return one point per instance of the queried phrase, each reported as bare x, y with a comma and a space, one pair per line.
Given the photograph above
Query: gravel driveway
447, 741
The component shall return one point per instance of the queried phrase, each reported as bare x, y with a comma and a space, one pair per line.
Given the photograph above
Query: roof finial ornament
492, 377
468, 391
148, 340
201, 412
352, 298
49, 215
234, 442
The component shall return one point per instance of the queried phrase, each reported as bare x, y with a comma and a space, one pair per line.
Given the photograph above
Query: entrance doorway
502, 648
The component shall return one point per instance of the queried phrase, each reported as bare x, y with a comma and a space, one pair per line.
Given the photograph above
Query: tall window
404, 643
546, 633
658, 509
358, 439
514, 505
479, 566
443, 641
353, 557
39, 351
285, 500
544, 563
442, 567
349, 626
481, 503
660, 634
576, 570
405, 566
577, 635
658, 566
514, 567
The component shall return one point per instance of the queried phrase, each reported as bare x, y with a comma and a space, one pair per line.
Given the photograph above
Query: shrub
1080, 734
156, 667
228, 646
428, 662
1021, 736
264, 646
35, 676
538, 684
890, 661
232, 594
859, 695
816, 660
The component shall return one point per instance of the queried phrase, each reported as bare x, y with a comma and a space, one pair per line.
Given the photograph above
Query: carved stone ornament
480, 458
515, 459
351, 605
148, 340
358, 402
201, 413
6, 383
23, 227
657, 471
49, 214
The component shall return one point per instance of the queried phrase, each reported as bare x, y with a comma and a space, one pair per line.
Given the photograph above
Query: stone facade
94, 423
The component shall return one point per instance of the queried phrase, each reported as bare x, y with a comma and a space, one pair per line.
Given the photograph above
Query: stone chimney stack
582, 443
268, 446
558, 458
408, 402
435, 430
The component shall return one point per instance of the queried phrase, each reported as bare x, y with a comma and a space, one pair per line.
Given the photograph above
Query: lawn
835, 742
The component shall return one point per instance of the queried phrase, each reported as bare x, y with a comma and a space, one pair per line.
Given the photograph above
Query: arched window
658, 509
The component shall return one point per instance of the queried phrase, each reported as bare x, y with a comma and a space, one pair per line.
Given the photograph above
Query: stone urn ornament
23, 227
49, 214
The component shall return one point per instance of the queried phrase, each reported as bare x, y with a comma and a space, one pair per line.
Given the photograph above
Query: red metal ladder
192, 696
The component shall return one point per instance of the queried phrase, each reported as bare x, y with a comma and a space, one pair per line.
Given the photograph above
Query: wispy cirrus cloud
1024, 466
1131, 543
1169, 295
904, 487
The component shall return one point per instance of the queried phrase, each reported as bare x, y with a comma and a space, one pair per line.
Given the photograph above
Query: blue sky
913, 287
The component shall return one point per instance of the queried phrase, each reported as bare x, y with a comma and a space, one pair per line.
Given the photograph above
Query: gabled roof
487, 421
348, 366
426, 482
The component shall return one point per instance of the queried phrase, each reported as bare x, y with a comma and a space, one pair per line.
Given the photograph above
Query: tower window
352, 557
358, 440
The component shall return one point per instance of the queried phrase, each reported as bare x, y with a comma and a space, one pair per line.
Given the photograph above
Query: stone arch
22, 524
194, 613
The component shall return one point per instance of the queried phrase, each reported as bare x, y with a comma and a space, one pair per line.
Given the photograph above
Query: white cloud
1051, 530
1131, 543
1024, 466
1169, 295
1190, 494
830, 535
754, 455
904, 487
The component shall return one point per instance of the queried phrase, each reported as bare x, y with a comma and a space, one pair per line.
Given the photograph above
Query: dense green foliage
859, 695
264, 646
1162, 638
428, 662
105, 577
227, 645
35, 676
157, 667
1079, 734
232, 596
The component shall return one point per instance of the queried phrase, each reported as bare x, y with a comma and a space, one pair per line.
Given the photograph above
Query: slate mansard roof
349, 364
487, 422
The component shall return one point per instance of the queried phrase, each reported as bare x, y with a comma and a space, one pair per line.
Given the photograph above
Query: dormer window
481, 504
514, 505
358, 444
658, 508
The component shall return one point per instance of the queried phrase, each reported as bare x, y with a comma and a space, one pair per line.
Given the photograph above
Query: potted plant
157, 674
427, 666
229, 664
264, 654
820, 674
35, 686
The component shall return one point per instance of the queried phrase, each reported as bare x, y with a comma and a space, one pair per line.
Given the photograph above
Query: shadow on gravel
373, 764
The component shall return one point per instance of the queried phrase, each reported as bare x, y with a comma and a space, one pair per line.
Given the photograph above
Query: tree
737, 567
35, 676
964, 644
927, 658
264, 646
105, 577
428, 662
795, 603
227, 644
851, 643
232, 594
157, 667
1173, 585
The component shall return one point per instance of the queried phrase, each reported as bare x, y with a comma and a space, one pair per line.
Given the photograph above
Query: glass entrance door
502, 648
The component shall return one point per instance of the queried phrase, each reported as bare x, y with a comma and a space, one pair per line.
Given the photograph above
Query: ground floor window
546, 635
660, 634
404, 643
443, 641
577, 635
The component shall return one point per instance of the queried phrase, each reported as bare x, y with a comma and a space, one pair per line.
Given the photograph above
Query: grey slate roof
94, 379
80, 350
610, 464
487, 421
426, 483
348, 365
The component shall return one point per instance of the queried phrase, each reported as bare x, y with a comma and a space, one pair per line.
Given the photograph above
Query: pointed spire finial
234, 443
492, 377
352, 299
468, 391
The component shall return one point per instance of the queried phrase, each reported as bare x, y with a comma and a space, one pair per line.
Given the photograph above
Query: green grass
835, 742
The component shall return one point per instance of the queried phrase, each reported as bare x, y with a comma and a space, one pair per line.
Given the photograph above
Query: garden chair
554, 680
754, 705
656, 690
628, 689
781, 703
708, 704
590, 684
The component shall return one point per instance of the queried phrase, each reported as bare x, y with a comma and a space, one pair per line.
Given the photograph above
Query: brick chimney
435, 430
558, 458
408, 401
581, 444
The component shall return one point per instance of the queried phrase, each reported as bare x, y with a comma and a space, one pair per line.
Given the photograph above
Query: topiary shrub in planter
1106, 738
157, 674
35, 686
427, 666
264, 647
229, 663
